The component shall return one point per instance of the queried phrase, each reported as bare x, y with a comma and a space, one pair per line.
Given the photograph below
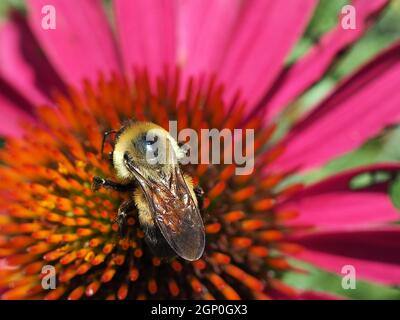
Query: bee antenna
105, 135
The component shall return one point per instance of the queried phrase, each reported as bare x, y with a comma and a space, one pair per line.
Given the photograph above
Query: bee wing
174, 212
178, 217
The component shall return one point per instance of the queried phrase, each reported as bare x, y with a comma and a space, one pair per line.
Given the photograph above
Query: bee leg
199, 192
126, 209
109, 184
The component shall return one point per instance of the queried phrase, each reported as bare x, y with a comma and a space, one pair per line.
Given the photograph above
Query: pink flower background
246, 44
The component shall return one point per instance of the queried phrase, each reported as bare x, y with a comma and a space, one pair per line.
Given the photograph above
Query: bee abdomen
156, 242
153, 236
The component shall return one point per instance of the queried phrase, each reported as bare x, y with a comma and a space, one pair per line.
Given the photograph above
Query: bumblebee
146, 161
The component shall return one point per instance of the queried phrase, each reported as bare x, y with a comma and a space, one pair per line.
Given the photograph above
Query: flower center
52, 217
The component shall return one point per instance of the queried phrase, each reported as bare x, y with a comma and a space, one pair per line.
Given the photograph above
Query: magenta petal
204, 31
314, 64
358, 109
263, 37
375, 254
302, 295
13, 110
314, 295
147, 33
26, 68
82, 45
10, 118
331, 204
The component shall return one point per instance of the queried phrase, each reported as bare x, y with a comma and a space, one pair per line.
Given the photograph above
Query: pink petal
13, 110
315, 63
265, 34
23, 64
331, 204
10, 119
82, 45
296, 294
204, 31
375, 254
314, 295
147, 33
355, 112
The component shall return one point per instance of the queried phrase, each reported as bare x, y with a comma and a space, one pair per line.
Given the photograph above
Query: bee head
148, 146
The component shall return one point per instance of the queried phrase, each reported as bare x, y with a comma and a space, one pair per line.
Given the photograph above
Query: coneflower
51, 216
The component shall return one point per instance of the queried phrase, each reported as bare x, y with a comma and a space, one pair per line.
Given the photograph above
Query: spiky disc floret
50, 216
